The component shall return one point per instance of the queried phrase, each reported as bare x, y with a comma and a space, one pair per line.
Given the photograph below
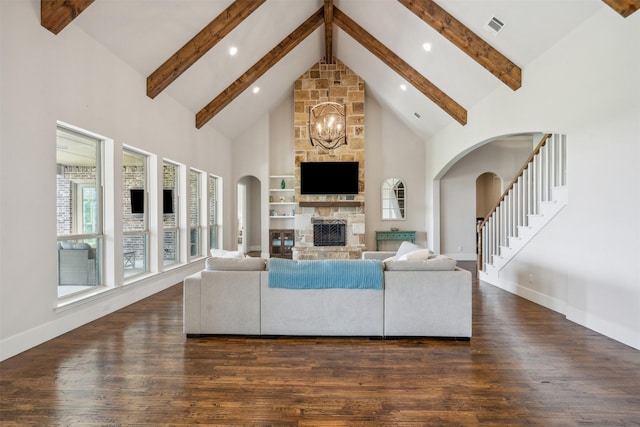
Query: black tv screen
167, 201
329, 178
137, 200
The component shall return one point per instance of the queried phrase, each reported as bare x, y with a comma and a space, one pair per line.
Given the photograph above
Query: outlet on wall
459, 248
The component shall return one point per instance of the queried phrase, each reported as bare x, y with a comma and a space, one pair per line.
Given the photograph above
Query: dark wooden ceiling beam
466, 40
57, 14
200, 44
259, 68
328, 31
624, 7
396, 63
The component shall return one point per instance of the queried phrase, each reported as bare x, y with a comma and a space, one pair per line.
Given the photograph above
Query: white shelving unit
282, 202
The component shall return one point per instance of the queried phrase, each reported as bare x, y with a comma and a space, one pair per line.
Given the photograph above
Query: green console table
394, 235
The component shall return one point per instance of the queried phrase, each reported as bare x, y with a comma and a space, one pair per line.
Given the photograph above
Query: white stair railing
544, 170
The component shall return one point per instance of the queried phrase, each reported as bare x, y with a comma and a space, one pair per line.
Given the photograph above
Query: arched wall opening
248, 219
456, 199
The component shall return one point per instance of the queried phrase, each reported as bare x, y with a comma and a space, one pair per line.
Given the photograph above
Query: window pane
194, 212
169, 195
79, 263
134, 248
170, 244
134, 196
79, 204
213, 212
135, 213
77, 183
194, 199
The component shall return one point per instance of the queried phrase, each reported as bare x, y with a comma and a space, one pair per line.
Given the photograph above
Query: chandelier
327, 125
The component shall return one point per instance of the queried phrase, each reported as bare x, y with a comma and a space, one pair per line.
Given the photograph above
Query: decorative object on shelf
283, 184
281, 199
327, 125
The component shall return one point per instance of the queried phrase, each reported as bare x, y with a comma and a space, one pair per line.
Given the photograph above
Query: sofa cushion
236, 264
406, 247
436, 263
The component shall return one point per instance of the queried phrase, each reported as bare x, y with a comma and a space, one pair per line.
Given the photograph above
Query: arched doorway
488, 191
249, 206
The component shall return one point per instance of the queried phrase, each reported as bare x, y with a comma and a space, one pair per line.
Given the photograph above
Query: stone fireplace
317, 215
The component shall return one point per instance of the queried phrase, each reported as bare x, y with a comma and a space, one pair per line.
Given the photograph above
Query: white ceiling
145, 33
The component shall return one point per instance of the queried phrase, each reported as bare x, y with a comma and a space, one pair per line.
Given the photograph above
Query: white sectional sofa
416, 299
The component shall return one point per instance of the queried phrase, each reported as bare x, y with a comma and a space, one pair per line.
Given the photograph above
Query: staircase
534, 197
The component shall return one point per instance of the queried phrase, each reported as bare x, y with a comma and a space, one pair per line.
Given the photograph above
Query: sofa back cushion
236, 264
435, 263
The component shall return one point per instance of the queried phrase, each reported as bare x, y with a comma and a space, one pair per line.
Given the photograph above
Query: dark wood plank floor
525, 365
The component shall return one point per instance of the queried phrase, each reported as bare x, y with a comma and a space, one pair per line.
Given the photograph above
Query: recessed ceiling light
403, 87
427, 46
256, 89
233, 50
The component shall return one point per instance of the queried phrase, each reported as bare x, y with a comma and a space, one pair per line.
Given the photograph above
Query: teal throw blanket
324, 274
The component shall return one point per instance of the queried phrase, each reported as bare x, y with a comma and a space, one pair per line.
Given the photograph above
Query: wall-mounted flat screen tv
329, 178
167, 201
137, 201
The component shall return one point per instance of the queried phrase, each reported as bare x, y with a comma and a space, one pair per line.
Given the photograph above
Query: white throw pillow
406, 247
221, 253
419, 254
233, 254
217, 253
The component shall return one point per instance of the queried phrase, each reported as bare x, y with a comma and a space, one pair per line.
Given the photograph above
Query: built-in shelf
282, 201
331, 203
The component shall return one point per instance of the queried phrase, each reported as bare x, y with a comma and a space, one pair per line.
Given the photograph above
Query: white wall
587, 264
71, 78
392, 150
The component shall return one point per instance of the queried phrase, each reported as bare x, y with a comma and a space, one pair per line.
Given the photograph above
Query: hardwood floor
525, 365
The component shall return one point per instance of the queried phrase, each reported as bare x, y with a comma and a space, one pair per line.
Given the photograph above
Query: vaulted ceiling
182, 47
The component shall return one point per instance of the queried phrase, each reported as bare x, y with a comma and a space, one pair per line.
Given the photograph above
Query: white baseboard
83, 312
615, 331
546, 301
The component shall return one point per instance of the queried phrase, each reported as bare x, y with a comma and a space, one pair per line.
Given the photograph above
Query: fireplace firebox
329, 232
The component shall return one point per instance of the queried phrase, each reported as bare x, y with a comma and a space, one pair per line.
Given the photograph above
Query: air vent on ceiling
495, 25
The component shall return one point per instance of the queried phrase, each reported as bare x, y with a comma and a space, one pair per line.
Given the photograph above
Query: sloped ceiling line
467, 41
397, 64
259, 68
195, 48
